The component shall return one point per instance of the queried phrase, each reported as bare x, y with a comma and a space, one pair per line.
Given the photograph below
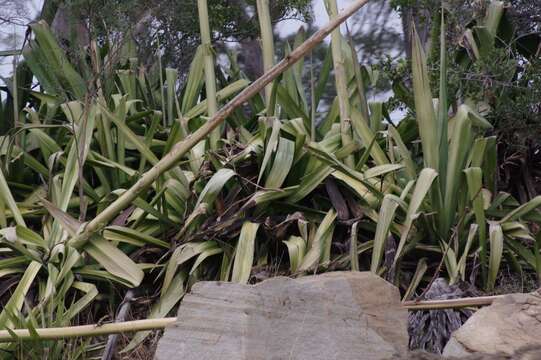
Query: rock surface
340, 315
510, 325
526, 354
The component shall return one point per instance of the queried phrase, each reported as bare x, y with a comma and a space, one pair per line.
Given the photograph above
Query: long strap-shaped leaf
181, 148
244, 255
265, 24
422, 187
474, 179
317, 252
341, 82
424, 109
496, 251
386, 216
17, 298
8, 199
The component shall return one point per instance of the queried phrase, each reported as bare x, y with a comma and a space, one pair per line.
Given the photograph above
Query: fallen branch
85, 330
181, 148
450, 303
156, 324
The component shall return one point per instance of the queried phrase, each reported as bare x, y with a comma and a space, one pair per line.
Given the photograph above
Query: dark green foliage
505, 79
174, 25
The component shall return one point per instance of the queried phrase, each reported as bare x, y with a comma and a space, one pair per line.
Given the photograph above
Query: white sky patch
6, 62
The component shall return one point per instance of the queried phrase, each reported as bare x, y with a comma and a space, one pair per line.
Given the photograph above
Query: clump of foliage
493, 62
500, 71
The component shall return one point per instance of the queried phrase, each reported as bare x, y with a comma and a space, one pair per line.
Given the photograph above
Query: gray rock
510, 325
523, 354
340, 315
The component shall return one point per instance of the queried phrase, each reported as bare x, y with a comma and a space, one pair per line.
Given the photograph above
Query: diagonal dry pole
181, 148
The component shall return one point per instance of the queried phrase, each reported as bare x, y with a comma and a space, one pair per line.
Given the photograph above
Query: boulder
525, 354
508, 326
338, 315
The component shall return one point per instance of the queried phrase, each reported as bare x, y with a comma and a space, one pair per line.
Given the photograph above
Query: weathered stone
340, 315
525, 354
510, 325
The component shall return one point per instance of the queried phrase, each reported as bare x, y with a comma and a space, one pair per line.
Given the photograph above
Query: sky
6, 63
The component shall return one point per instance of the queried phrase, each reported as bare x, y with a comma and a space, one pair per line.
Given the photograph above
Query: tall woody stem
267, 40
341, 81
210, 76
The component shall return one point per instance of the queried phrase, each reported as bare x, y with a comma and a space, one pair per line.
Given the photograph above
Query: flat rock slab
509, 326
338, 315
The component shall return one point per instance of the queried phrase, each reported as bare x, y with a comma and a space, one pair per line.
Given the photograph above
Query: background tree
170, 27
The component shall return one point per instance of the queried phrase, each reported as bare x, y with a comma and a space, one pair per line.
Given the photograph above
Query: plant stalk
450, 303
210, 76
182, 147
341, 82
15, 94
267, 39
86, 330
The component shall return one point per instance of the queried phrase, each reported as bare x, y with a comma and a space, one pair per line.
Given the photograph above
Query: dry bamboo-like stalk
450, 303
15, 95
341, 81
210, 76
86, 330
154, 324
267, 40
181, 148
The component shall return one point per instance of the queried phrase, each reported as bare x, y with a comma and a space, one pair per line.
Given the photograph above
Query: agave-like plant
86, 140
454, 205
83, 144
